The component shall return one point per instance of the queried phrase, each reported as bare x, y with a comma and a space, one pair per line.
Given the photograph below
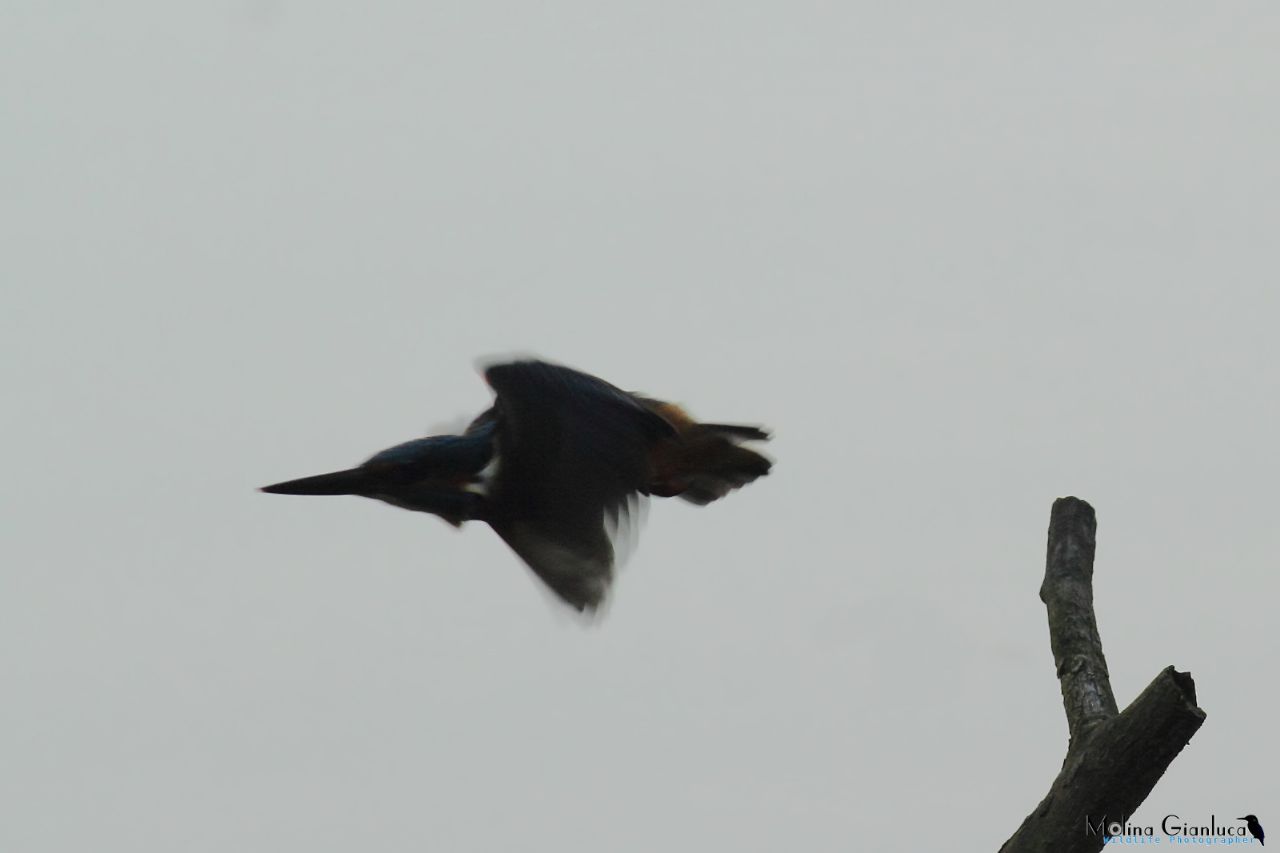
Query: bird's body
558, 455
1255, 828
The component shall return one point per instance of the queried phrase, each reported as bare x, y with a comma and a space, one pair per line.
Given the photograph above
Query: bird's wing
577, 568
573, 455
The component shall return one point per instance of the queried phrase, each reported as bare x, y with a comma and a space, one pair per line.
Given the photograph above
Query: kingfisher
1255, 828
555, 464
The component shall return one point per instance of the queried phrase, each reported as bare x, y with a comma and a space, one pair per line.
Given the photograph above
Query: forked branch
1114, 758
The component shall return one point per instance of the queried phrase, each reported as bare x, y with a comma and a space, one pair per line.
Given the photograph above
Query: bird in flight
556, 462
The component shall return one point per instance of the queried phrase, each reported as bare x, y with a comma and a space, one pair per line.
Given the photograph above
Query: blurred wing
579, 569
574, 453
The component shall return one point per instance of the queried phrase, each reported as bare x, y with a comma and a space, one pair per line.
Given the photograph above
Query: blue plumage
439, 453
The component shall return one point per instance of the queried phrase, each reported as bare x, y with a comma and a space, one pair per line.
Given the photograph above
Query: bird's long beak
349, 482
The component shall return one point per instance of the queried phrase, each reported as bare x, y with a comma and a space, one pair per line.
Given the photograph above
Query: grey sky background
963, 258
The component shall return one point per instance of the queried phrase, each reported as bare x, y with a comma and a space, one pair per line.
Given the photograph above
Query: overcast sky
962, 258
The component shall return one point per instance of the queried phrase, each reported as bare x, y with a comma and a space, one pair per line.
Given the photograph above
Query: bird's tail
738, 431
350, 482
708, 463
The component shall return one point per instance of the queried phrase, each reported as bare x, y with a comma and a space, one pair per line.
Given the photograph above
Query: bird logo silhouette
557, 460
1255, 828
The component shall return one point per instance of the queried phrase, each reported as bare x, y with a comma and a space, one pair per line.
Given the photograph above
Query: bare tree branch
1114, 758
1067, 592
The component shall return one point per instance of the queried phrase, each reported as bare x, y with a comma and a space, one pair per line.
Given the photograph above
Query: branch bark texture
1114, 758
